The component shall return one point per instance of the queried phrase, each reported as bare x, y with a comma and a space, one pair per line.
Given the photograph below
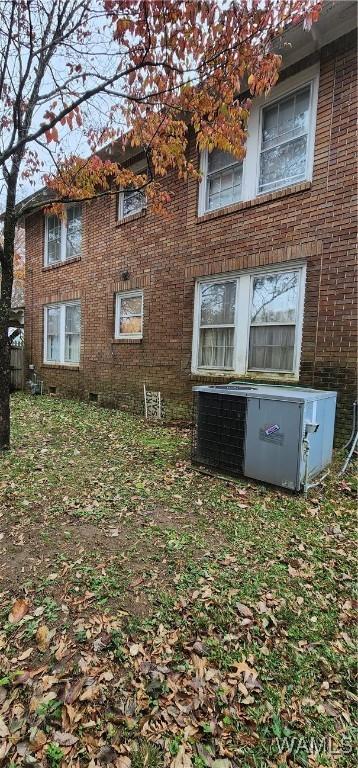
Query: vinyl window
223, 180
62, 333
129, 315
284, 141
131, 201
279, 147
63, 235
217, 325
273, 321
249, 322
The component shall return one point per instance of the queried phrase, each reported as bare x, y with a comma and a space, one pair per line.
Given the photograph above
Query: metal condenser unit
274, 434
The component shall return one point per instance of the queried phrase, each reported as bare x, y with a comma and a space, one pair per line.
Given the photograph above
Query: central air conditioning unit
274, 434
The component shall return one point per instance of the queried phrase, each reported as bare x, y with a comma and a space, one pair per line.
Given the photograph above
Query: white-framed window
217, 324
62, 333
129, 315
249, 321
131, 201
284, 140
279, 147
223, 179
273, 321
63, 235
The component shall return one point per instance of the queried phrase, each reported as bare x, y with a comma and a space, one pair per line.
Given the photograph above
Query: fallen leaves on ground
245, 633
149, 693
167, 690
18, 610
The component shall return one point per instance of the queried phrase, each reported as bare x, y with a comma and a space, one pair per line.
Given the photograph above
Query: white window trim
251, 162
203, 188
62, 305
63, 258
121, 216
221, 325
126, 295
242, 322
140, 169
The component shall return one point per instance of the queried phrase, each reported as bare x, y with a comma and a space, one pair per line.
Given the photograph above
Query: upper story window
62, 333
279, 148
131, 201
249, 322
63, 235
224, 180
284, 141
129, 315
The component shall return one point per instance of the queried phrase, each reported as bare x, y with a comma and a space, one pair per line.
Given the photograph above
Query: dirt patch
161, 516
50, 559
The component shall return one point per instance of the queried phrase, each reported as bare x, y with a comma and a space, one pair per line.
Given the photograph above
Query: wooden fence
17, 368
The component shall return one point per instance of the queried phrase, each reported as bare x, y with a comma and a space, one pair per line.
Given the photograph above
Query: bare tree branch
7, 49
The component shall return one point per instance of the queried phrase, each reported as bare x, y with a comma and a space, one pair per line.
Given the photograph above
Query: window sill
50, 267
289, 378
131, 217
259, 200
61, 366
127, 341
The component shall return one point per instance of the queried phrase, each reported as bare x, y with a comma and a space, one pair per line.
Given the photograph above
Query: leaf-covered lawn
155, 616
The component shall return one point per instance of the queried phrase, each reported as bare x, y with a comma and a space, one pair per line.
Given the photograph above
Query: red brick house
249, 276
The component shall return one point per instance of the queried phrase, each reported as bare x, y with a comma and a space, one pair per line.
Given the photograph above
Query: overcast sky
99, 56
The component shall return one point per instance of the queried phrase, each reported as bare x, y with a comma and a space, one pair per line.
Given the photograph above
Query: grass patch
202, 621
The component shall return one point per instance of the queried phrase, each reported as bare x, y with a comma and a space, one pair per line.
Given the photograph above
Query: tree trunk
6, 260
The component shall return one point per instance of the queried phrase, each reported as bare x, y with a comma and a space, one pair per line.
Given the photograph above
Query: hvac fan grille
219, 426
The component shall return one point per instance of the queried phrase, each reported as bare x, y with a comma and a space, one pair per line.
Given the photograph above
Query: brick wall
312, 221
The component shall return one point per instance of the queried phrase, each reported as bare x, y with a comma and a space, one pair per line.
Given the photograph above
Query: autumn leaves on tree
84, 73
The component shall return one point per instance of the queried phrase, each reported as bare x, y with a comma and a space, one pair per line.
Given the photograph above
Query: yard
155, 616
